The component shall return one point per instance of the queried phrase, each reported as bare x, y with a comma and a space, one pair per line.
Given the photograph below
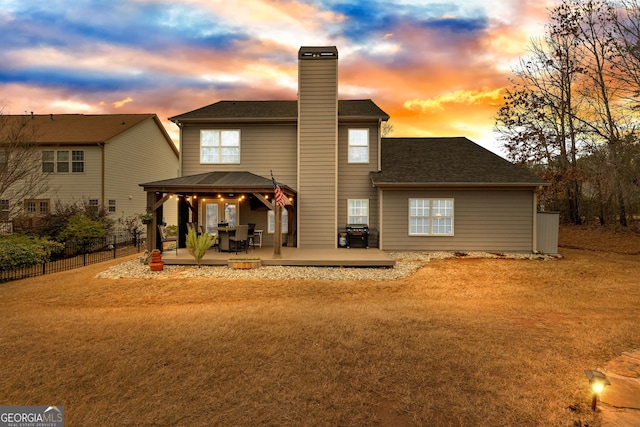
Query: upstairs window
358, 145
219, 146
77, 161
358, 211
112, 206
63, 161
431, 217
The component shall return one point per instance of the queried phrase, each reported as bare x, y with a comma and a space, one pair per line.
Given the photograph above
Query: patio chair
166, 238
250, 235
239, 240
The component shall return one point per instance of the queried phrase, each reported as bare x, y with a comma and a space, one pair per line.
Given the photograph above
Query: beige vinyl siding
317, 153
262, 148
71, 187
353, 178
484, 220
139, 155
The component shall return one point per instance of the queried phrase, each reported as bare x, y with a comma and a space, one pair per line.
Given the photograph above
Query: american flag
281, 198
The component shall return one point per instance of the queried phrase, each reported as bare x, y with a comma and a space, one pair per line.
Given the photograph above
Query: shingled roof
275, 111
438, 162
81, 129
216, 182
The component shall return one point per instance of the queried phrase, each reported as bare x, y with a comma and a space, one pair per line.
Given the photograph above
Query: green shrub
19, 251
199, 245
82, 227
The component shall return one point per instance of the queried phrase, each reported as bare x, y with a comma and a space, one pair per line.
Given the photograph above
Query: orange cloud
123, 102
451, 99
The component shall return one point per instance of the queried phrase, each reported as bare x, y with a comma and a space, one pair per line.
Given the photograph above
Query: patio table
223, 234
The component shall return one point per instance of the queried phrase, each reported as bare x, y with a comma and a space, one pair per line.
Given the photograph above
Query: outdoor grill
357, 233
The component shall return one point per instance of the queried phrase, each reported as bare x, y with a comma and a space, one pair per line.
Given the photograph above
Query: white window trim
70, 162
349, 145
349, 211
431, 200
202, 162
271, 223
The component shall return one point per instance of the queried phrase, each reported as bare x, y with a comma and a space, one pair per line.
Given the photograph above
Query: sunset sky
437, 68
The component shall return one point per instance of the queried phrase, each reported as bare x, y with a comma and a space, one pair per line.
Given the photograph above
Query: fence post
84, 251
115, 249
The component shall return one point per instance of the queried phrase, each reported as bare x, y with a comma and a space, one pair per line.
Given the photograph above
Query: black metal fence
82, 253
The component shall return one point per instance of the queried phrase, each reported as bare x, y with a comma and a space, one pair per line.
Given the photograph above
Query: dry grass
463, 342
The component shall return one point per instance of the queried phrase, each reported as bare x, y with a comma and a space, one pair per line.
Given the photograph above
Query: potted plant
146, 218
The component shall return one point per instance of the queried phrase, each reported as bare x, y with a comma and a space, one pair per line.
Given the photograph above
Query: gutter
400, 185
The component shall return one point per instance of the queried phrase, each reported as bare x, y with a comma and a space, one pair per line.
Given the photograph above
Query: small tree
199, 245
21, 175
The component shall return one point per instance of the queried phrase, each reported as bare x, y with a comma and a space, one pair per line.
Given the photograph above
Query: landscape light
598, 382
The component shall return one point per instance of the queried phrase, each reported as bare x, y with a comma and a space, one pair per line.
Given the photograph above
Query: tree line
572, 111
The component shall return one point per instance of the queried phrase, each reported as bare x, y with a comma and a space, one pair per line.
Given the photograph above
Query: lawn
462, 342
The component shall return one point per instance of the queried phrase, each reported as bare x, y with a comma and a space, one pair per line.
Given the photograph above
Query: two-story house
331, 161
95, 159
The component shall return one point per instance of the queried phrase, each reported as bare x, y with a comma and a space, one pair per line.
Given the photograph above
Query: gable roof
81, 129
446, 162
216, 182
275, 111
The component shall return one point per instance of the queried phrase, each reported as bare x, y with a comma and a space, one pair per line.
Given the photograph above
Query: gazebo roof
222, 182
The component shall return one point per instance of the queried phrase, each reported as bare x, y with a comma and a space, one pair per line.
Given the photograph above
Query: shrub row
19, 251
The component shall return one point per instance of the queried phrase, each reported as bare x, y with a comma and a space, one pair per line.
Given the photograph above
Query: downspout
535, 222
378, 189
102, 177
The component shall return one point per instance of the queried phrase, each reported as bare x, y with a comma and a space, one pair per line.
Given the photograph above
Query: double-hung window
431, 217
35, 207
3, 160
63, 161
358, 145
219, 146
358, 211
271, 220
4, 209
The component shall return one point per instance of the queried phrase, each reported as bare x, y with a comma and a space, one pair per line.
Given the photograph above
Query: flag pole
277, 223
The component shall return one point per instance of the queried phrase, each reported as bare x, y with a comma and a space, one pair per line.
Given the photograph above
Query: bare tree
576, 96
387, 129
21, 175
608, 116
626, 28
537, 120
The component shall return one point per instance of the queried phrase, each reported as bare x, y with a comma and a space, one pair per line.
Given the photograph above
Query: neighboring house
330, 160
99, 160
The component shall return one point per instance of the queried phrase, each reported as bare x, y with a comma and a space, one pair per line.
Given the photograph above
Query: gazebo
251, 191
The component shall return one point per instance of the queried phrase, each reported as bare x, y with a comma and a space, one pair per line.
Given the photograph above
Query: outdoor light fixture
598, 382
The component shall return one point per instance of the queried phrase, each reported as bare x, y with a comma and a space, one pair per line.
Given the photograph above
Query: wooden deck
354, 257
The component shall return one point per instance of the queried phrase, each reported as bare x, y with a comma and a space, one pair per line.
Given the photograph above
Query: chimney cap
318, 52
